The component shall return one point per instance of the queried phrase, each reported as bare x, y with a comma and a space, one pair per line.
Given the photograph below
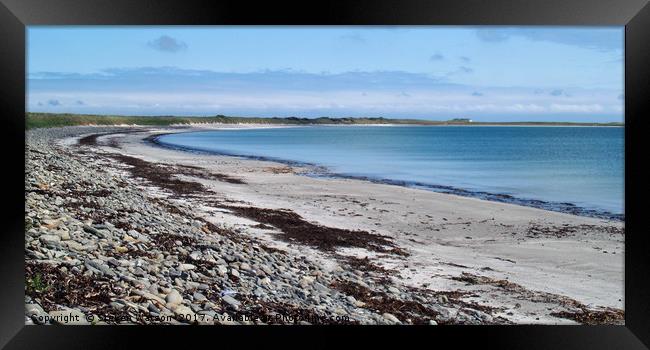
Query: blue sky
427, 72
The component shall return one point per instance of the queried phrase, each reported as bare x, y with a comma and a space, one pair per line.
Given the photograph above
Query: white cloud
277, 93
576, 108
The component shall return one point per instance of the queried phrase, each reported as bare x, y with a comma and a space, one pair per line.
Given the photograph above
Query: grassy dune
48, 120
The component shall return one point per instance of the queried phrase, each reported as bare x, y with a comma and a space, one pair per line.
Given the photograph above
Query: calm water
575, 169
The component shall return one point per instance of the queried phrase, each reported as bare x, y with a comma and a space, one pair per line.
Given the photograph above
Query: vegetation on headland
49, 120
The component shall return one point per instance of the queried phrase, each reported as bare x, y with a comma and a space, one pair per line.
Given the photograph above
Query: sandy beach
512, 263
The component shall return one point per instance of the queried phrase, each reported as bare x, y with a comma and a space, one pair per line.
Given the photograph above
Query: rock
420, 299
482, 316
173, 298
134, 281
36, 313
320, 287
121, 249
433, 323
231, 301
152, 308
199, 297
117, 305
133, 233
63, 234
138, 236
51, 224
306, 281
222, 270
173, 273
139, 272
99, 265
189, 285
94, 231
394, 290
49, 239
391, 318
362, 284
186, 267
234, 272
266, 269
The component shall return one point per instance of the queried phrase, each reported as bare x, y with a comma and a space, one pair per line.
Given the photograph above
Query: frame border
15, 15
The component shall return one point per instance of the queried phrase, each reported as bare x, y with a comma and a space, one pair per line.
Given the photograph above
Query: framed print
373, 171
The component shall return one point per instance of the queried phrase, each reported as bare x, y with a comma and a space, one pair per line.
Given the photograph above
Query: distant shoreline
47, 120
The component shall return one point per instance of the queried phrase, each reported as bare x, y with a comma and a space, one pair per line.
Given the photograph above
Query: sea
579, 170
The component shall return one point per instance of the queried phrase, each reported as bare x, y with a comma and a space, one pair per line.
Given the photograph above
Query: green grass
49, 120
37, 284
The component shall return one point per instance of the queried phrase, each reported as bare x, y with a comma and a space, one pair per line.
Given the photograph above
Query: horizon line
452, 119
